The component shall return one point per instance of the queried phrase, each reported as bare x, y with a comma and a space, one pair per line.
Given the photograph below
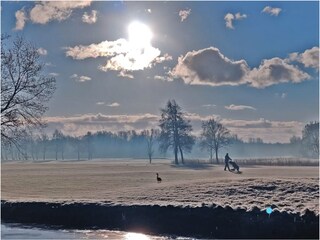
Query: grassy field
127, 182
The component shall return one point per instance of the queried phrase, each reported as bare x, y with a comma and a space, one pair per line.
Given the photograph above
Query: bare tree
88, 140
78, 145
213, 137
58, 141
310, 138
25, 89
150, 137
175, 131
44, 139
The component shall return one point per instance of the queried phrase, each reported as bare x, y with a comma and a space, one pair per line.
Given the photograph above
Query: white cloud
167, 77
21, 19
100, 103
78, 78
90, 18
47, 11
163, 58
53, 74
281, 95
240, 16
121, 56
103, 49
209, 105
49, 64
275, 71
80, 125
132, 60
42, 51
309, 58
248, 124
184, 14
229, 18
114, 104
269, 131
272, 11
210, 67
44, 12
239, 107
125, 74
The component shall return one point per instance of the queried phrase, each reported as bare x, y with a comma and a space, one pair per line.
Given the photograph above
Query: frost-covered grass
279, 161
128, 182
274, 161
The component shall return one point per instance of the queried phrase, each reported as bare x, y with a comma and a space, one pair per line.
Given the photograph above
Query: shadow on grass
196, 165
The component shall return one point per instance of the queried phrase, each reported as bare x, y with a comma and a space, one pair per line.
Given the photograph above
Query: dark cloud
275, 71
210, 67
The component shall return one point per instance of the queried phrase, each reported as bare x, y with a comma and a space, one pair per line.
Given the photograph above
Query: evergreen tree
175, 131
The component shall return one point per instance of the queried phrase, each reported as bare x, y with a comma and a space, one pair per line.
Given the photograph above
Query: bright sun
140, 35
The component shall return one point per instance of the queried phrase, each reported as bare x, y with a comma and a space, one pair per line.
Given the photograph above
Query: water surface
18, 231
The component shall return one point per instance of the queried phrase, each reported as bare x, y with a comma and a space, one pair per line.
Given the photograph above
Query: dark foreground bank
200, 222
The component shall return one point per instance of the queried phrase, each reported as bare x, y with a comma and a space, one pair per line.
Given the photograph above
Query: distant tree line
174, 134
102, 144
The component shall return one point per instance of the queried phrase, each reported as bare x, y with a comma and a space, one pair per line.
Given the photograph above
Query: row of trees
130, 144
91, 145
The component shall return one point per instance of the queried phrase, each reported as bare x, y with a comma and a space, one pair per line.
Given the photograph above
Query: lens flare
140, 35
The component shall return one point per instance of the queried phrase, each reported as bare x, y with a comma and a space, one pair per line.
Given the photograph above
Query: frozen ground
290, 189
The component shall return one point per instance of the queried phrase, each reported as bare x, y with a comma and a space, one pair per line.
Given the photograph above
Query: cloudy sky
252, 65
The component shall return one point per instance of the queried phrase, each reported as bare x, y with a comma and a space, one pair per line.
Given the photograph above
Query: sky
254, 66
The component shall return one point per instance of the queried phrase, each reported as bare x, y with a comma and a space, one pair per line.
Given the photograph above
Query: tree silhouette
88, 139
58, 140
310, 138
77, 144
44, 139
175, 131
150, 136
213, 137
25, 89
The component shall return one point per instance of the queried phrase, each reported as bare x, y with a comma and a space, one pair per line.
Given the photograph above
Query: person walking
226, 162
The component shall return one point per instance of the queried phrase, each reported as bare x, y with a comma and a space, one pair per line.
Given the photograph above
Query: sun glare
136, 236
140, 35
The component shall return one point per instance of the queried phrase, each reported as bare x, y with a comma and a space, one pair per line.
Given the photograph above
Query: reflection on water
119, 235
136, 236
17, 231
